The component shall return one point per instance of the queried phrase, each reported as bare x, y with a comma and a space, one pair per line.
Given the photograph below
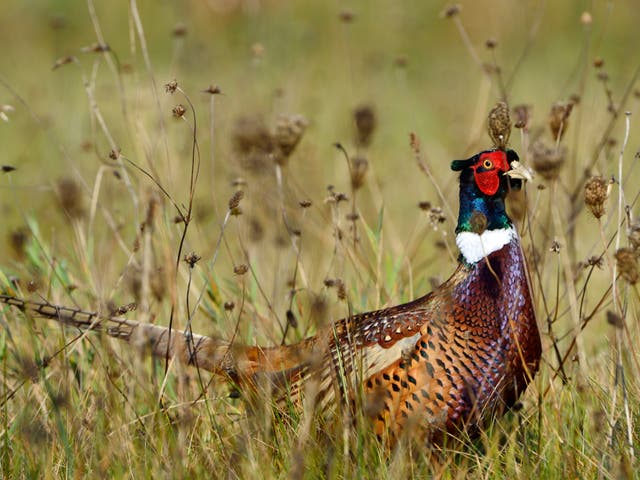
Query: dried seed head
358, 171
598, 62
451, 11
171, 87
329, 282
114, 153
522, 115
229, 305
586, 18
499, 125
7, 168
341, 289
179, 111
547, 161
234, 201
596, 191
365, 118
558, 118
424, 205
437, 216
305, 203
240, 269
191, 259
288, 132
70, 197
401, 61
627, 261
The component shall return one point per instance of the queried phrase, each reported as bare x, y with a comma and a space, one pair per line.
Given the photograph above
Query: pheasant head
483, 224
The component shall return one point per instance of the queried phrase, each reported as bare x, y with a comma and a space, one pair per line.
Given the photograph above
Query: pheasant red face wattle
488, 169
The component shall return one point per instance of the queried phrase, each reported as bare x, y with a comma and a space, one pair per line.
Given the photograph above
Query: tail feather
238, 362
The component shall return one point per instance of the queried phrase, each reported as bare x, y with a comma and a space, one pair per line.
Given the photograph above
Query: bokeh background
83, 98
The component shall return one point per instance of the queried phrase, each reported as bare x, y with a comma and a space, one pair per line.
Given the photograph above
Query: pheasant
443, 363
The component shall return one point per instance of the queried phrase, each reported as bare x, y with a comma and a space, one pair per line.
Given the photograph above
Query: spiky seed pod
596, 192
499, 125
558, 118
627, 261
288, 132
522, 115
359, 167
547, 161
366, 121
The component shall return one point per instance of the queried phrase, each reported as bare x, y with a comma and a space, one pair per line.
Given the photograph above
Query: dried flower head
229, 305
499, 125
547, 161
234, 201
70, 197
558, 118
627, 262
240, 269
171, 87
291, 319
358, 171
365, 119
522, 115
288, 132
179, 111
614, 319
191, 259
596, 192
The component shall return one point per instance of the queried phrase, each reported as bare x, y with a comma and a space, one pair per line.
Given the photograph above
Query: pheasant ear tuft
458, 165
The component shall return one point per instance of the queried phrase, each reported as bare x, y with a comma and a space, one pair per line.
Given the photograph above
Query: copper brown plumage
446, 362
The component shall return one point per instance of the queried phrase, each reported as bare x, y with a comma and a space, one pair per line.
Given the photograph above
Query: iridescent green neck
479, 212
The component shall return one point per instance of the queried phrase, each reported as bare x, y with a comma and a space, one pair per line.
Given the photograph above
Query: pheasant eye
487, 164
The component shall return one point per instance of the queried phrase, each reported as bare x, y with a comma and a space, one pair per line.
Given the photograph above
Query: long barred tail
235, 361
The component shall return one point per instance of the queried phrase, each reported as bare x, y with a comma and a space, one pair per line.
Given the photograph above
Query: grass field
104, 157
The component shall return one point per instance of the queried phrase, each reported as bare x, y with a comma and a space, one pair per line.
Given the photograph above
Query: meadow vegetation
254, 170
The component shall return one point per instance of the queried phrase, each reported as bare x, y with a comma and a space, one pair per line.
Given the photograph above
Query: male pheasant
446, 362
